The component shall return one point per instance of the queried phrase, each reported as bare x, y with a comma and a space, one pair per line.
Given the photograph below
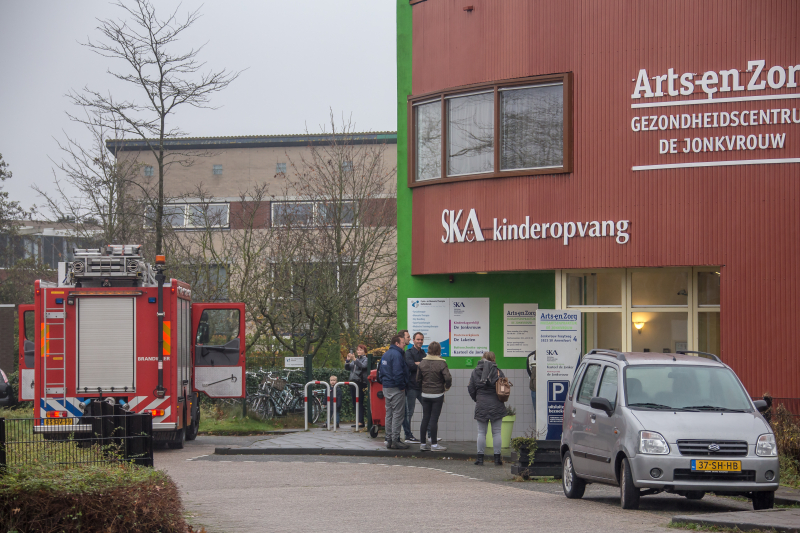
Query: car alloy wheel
573, 486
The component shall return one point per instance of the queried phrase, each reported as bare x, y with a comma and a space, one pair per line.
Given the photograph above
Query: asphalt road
302, 493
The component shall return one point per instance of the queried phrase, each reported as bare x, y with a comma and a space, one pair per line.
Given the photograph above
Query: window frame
599, 365
564, 78
605, 369
692, 309
186, 217
214, 168
317, 207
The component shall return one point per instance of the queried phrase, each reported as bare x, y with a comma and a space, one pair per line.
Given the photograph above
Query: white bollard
305, 400
358, 400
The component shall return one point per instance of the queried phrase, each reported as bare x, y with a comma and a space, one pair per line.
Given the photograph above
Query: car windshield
689, 387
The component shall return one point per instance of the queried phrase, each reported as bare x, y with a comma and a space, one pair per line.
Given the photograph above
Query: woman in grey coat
488, 406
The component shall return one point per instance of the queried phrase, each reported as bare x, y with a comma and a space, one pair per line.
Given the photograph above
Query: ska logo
459, 304
551, 352
470, 232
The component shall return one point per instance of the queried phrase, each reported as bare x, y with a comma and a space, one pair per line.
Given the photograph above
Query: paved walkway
343, 442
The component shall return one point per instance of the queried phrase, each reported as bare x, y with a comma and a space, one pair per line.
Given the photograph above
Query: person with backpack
433, 380
488, 406
359, 372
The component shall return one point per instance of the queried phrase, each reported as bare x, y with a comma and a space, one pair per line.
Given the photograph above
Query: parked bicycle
277, 397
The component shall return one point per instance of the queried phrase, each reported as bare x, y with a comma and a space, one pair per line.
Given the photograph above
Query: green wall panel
500, 288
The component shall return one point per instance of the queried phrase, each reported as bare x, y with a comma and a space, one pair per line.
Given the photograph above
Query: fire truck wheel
191, 431
177, 444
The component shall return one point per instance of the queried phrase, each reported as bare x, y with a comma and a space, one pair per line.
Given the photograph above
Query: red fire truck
115, 329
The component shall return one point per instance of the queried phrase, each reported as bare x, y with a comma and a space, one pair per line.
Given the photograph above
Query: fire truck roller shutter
106, 343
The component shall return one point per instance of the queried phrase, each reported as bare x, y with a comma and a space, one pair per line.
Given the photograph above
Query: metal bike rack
358, 400
305, 400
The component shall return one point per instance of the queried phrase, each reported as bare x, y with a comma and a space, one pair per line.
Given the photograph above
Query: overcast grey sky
303, 57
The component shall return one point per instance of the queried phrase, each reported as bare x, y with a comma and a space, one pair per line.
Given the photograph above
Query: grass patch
216, 420
23, 411
90, 498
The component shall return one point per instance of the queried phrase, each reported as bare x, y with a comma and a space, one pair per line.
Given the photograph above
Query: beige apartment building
226, 168
228, 171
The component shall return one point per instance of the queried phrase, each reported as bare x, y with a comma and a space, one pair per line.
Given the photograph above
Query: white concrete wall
457, 422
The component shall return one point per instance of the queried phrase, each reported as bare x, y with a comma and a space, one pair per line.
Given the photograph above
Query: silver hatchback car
662, 422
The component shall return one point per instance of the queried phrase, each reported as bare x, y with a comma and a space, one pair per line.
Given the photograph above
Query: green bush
90, 498
787, 436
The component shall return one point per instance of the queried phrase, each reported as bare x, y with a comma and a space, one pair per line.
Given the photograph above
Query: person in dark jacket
531, 368
488, 407
433, 379
394, 376
413, 357
359, 372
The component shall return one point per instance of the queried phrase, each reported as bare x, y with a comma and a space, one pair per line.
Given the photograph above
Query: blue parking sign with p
556, 396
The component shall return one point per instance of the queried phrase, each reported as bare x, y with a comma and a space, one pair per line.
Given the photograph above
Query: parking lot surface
299, 493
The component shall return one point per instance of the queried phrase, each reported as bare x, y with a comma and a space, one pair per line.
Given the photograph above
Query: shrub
787, 432
86, 499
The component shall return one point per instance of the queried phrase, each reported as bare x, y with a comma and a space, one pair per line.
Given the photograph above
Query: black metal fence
62, 442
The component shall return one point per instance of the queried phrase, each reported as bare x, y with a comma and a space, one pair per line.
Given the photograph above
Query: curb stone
782, 520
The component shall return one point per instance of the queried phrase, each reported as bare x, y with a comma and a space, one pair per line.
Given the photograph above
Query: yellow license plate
57, 421
699, 465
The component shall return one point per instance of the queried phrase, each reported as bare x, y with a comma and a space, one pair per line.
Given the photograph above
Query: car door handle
594, 418
573, 413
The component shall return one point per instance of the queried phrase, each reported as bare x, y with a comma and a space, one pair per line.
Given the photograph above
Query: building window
532, 127
514, 128
192, 216
292, 214
428, 141
280, 168
347, 166
646, 310
148, 170
313, 214
218, 170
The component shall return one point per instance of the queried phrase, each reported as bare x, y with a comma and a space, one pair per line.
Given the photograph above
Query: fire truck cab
115, 329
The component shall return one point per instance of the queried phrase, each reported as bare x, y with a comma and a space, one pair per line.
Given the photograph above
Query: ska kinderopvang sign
713, 131
460, 325
511, 230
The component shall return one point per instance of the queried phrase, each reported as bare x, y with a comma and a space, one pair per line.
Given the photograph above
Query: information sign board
558, 347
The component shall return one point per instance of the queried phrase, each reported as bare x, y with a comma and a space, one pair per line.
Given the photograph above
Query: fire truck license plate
716, 466
57, 421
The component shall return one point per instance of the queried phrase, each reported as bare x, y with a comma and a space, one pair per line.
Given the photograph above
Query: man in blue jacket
393, 374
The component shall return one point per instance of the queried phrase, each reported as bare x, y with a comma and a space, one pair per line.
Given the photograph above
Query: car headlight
766, 447
652, 443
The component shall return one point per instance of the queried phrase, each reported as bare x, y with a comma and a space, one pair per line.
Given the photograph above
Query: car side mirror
761, 405
602, 404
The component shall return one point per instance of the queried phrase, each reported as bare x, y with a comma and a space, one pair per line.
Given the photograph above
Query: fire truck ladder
54, 352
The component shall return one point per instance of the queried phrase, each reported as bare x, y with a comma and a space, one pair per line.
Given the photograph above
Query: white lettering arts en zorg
720, 87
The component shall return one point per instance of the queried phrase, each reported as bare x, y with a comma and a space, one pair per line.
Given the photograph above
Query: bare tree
315, 270
168, 79
103, 197
353, 190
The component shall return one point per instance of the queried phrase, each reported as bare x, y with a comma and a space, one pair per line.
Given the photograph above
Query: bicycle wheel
267, 409
316, 409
